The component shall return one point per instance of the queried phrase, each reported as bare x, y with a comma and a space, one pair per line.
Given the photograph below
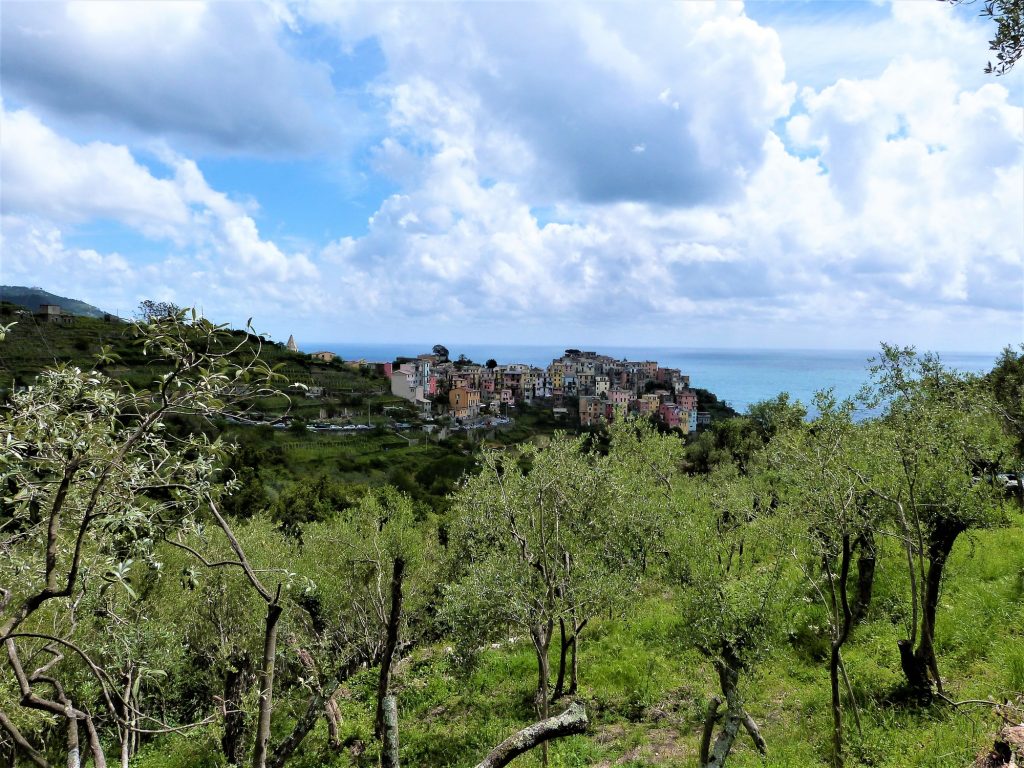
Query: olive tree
368, 566
91, 477
818, 476
643, 467
533, 534
732, 573
937, 435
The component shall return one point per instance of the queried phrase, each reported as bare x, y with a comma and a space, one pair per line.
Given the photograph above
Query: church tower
292, 345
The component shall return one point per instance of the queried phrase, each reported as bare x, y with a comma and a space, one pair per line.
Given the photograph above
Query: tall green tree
937, 435
91, 479
731, 569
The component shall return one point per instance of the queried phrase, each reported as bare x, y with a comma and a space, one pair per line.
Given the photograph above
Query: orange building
464, 403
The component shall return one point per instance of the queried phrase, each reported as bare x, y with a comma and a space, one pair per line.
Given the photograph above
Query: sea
738, 376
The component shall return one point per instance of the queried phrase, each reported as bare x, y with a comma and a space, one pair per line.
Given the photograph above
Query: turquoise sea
738, 376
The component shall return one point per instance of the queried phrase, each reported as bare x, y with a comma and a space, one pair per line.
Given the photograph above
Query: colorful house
464, 403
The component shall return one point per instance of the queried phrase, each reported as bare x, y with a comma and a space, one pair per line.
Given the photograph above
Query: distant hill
32, 298
33, 344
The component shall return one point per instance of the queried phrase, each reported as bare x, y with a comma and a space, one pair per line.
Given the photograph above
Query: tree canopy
1008, 41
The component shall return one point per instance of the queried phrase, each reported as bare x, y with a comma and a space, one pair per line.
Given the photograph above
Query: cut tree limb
755, 734
710, 721
572, 721
389, 752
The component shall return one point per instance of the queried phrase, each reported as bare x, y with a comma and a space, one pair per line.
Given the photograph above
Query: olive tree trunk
866, 558
389, 751
259, 753
390, 643
735, 716
920, 665
572, 721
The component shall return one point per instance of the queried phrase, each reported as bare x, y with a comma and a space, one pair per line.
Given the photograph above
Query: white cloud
562, 166
49, 176
216, 254
572, 88
931, 178
216, 75
823, 43
902, 220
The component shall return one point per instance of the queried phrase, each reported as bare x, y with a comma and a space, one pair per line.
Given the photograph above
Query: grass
646, 691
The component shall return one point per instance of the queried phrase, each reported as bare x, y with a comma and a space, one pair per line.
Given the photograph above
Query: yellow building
464, 403
555, 372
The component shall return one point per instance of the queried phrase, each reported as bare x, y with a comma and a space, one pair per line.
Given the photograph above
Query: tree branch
20, 742
572, 721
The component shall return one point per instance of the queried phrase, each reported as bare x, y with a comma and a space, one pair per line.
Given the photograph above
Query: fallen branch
572, 721
981, 702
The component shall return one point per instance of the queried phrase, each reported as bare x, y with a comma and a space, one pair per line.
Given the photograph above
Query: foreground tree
533, 533
370, 564
643, 467
820, 486
937, 438
732, 573
91, 478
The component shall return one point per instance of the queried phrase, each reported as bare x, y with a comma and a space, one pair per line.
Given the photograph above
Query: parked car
1010, 480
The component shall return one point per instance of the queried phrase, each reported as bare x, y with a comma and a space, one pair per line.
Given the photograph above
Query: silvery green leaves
92, 480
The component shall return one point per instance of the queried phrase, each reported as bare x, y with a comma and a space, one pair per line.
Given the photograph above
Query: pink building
687, 399
618, 396
671, 415
643, 407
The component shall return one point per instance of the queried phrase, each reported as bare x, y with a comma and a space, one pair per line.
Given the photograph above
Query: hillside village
582, 387
593, 386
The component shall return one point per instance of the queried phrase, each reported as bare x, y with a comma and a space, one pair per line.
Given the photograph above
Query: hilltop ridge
34, 297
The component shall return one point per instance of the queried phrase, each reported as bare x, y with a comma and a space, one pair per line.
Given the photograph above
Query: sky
781, 174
